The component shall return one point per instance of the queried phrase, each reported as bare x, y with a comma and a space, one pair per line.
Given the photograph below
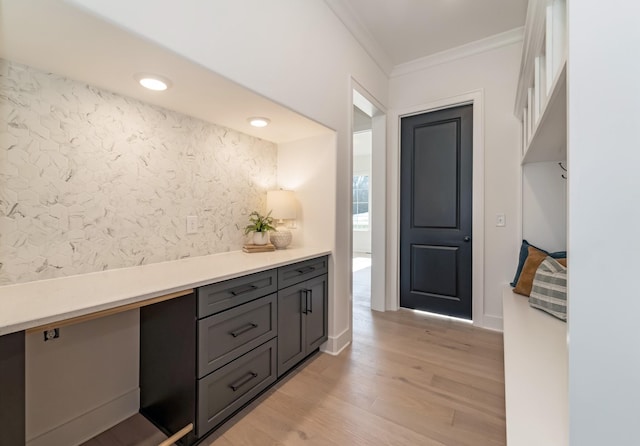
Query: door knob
467, 238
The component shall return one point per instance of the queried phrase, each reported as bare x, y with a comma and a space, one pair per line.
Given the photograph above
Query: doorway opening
368, 202
361, 204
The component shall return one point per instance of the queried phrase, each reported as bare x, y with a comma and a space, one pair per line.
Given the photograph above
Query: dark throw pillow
524, 252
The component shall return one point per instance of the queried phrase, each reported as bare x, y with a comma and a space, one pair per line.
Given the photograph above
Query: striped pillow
549, 290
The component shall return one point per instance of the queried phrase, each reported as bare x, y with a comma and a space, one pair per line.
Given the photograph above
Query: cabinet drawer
301, 271
226, 390
227, 335
218, 297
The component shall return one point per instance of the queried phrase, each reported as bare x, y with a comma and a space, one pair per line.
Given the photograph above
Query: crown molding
479, 46
350, 20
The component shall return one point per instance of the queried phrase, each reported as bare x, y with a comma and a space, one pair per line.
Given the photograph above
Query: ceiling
399, 31
56, 37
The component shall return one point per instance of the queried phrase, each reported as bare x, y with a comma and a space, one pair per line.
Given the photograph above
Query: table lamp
282, 205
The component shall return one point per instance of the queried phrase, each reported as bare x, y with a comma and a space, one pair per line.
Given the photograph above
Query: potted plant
260, 226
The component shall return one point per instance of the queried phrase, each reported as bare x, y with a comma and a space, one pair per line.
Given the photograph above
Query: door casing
393, 280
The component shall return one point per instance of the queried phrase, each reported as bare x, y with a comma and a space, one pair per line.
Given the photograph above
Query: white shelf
549, 139
536, 375
541, 97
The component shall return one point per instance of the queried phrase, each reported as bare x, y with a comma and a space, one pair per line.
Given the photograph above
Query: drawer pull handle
250, 326
249, 376
243, 289
305, 294
305, 270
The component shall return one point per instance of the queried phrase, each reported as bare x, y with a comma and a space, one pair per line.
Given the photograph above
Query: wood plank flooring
407, 379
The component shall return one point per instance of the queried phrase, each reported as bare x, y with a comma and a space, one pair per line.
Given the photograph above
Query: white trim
493, 323
393, 269
362, 96
335, 344
470, 49
92, 423
378, 215
361, 34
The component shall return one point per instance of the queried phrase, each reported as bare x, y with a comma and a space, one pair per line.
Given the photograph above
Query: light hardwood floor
407, 379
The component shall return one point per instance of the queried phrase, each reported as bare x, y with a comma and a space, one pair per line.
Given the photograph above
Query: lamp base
281, 238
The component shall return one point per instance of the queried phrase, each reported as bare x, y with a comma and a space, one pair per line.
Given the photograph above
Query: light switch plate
501, 220
192, 224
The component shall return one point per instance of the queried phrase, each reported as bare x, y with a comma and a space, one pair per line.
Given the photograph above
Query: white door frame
393, 157
377, 215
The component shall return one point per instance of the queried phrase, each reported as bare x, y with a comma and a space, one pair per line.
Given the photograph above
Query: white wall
544, 206
604, 217
76, 386
496, 73
308, 168
295, 52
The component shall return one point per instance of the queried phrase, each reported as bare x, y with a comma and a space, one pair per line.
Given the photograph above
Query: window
361, 202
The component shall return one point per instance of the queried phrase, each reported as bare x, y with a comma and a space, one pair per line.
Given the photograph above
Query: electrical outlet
192, 224
501, 220
51, 334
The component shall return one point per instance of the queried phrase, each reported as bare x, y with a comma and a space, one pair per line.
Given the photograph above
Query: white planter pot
260, 238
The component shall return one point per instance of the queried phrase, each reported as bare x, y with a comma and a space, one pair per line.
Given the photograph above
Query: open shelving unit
535, 343
548, 141
541, 99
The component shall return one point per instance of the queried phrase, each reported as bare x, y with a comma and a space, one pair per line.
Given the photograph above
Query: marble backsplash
91, 180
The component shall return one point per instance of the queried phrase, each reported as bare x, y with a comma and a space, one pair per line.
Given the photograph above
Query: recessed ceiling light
259, 122
153, 81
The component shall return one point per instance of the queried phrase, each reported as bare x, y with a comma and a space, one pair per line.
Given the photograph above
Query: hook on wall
564, 169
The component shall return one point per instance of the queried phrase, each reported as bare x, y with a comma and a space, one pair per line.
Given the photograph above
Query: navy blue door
435, 211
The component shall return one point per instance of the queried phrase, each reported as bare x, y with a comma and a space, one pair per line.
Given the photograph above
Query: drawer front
220, 296
301, 271
225, 336
226, 390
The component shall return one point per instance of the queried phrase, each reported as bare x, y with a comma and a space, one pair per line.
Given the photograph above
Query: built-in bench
536, 381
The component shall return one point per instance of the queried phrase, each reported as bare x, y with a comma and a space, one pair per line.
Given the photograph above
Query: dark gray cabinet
206, 355
12, 389
302, 321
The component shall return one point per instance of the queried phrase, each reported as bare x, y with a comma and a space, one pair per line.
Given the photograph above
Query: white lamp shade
282, 204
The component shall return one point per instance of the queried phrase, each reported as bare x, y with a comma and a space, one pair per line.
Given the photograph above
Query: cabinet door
316, 313
291, 334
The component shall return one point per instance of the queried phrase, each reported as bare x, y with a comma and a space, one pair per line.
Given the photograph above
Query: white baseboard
90, 424
335, 344
492, 322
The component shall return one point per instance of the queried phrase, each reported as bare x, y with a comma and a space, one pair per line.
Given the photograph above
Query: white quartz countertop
31, 304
